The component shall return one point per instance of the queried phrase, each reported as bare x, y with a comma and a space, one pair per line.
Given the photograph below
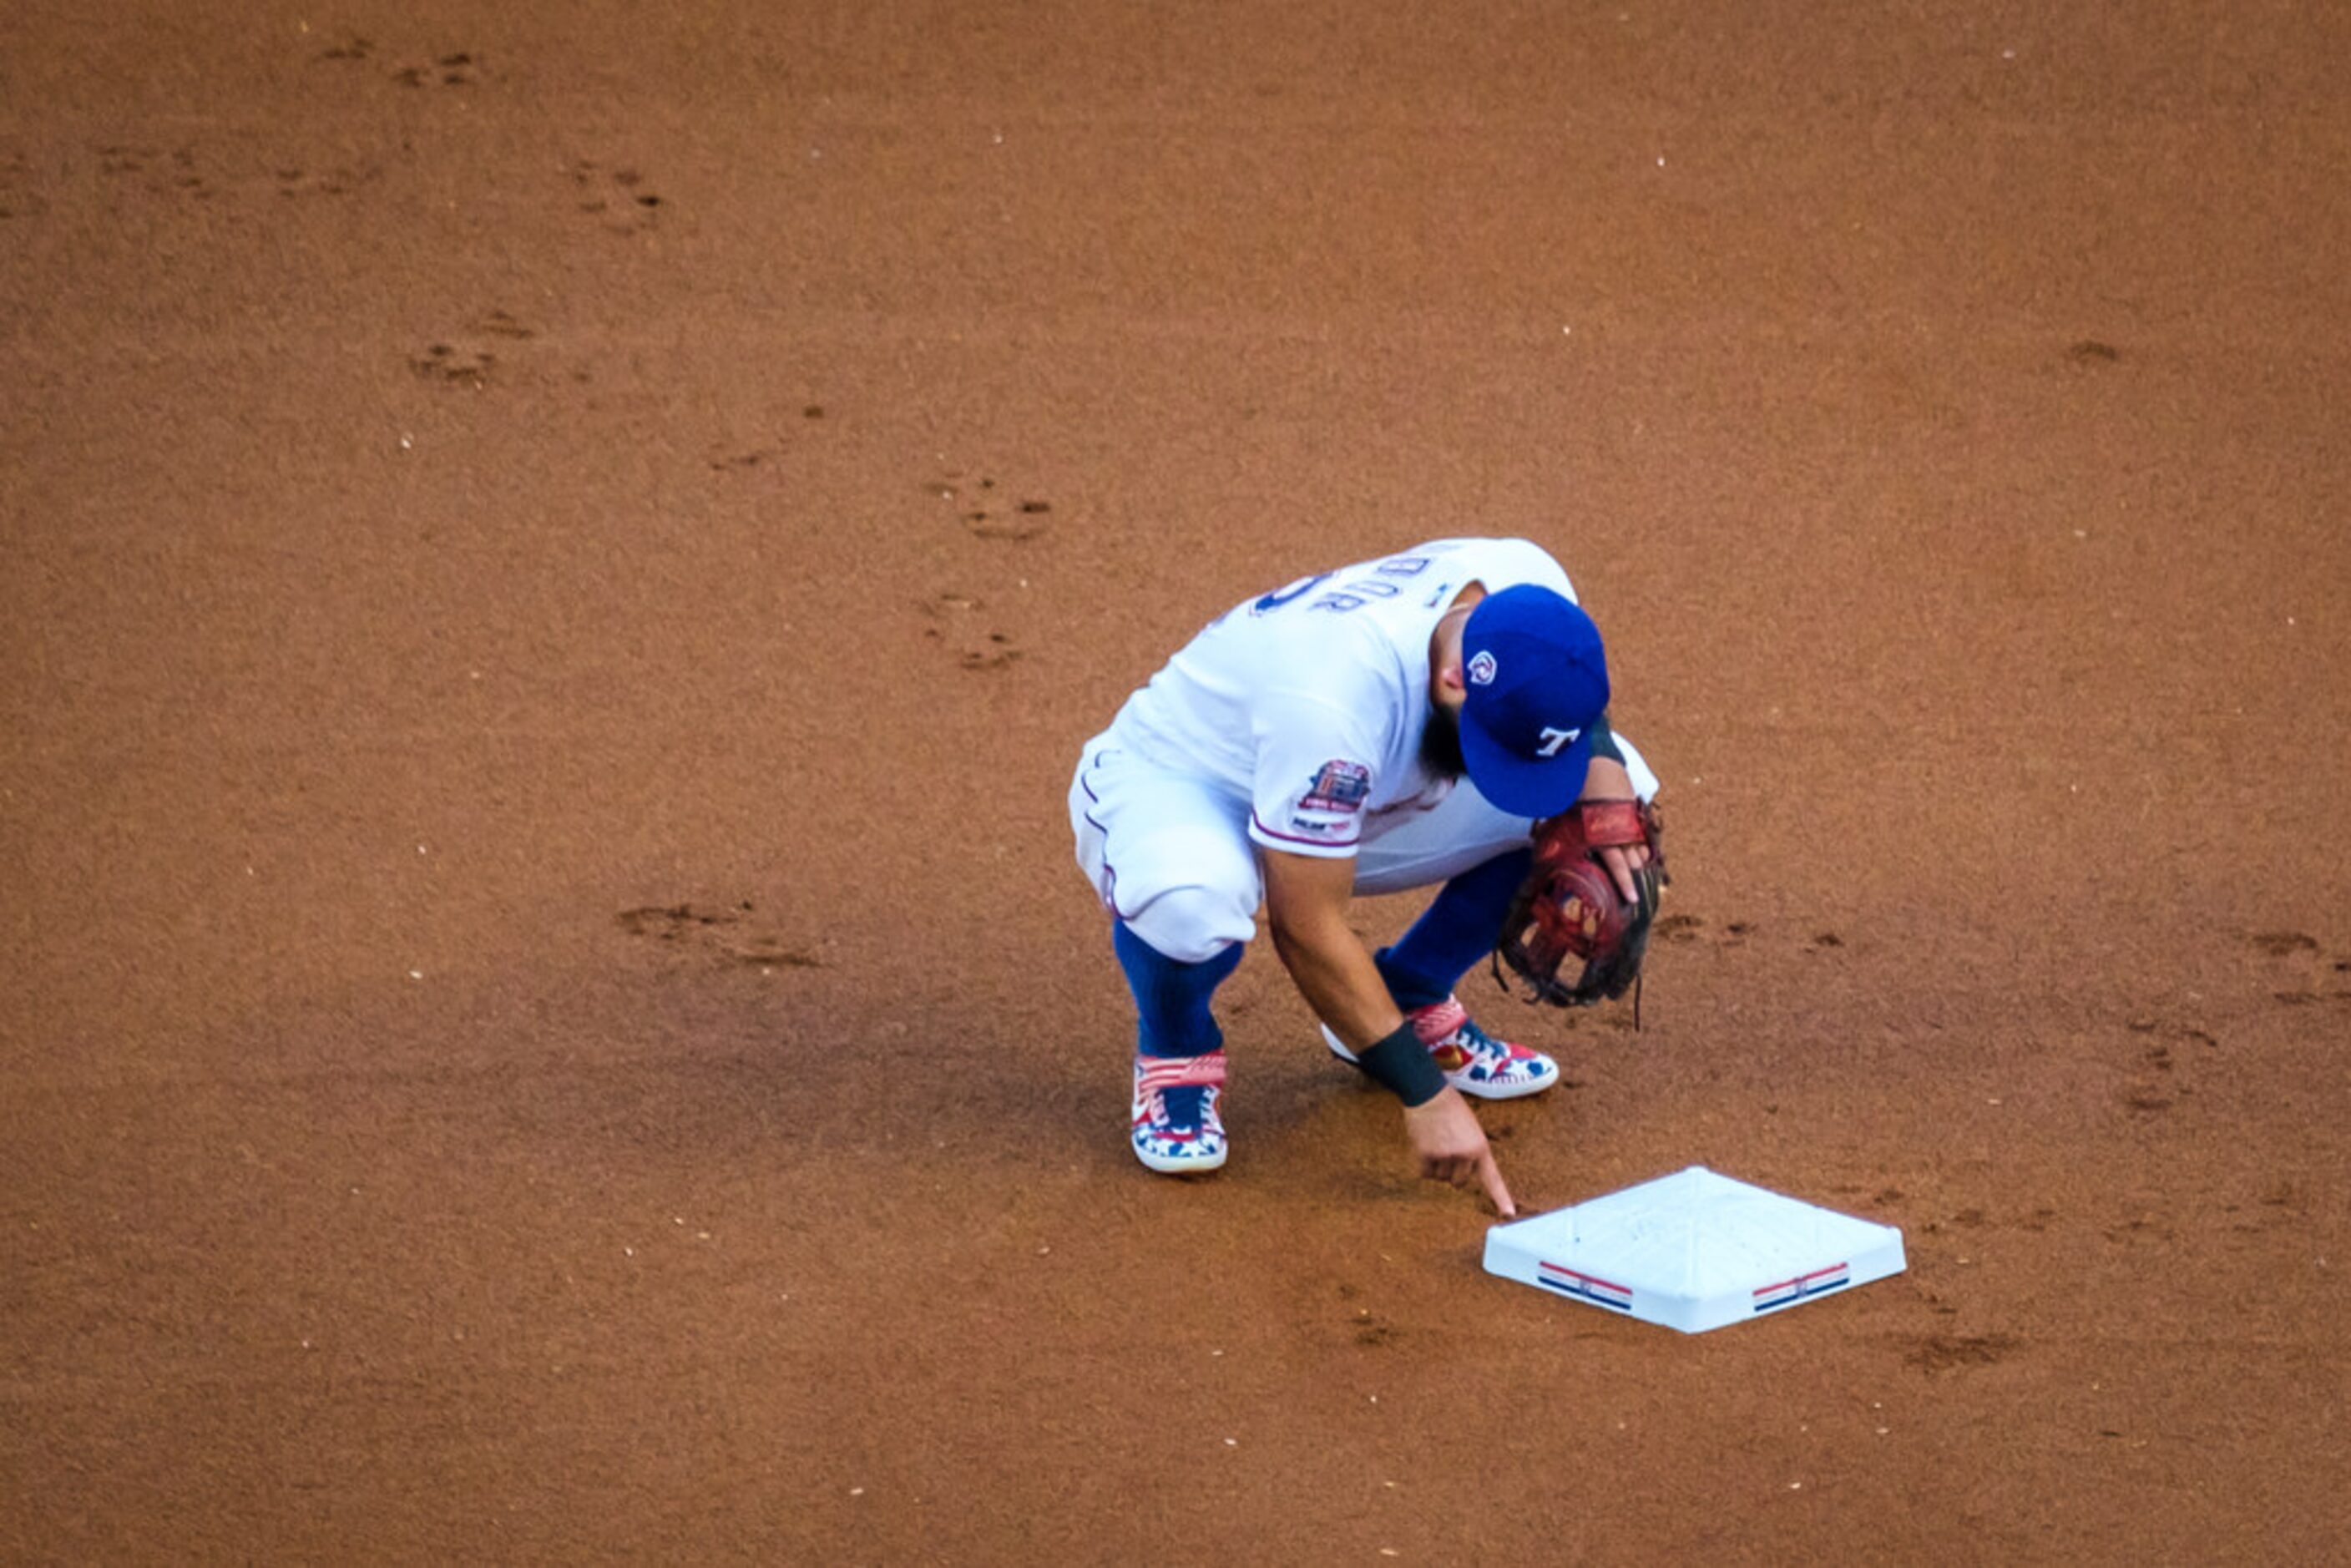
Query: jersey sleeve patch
1338, 786
1322, 814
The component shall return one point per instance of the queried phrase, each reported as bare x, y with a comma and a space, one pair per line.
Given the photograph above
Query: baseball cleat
1178, 1131
1473, 1061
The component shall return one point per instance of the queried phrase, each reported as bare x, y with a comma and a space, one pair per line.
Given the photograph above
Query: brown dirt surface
558, 559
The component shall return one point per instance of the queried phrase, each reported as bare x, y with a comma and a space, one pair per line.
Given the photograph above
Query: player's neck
1445, 640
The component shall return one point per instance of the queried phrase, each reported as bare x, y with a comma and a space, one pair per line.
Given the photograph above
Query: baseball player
1401, 723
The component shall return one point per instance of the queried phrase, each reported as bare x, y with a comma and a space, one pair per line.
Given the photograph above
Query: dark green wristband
1402, 1063
1604, 740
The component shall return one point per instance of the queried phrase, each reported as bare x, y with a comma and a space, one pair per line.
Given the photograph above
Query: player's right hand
1451, 1147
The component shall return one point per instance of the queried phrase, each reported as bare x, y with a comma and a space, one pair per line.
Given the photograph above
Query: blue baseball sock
1460, 926
1171, 998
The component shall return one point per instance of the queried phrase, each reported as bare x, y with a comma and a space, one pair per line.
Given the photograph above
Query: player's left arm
1608, 780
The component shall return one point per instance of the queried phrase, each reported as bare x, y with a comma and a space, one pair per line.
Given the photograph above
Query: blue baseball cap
1537, 678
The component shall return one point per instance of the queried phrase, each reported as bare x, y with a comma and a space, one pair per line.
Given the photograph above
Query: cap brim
1540, 788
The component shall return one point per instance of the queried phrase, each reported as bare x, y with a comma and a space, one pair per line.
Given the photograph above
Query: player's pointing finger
1491, 1174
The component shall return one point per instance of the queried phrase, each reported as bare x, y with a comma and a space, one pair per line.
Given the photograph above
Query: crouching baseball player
1407, 722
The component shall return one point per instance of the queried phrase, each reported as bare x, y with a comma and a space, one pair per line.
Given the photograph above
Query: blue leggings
1459, 927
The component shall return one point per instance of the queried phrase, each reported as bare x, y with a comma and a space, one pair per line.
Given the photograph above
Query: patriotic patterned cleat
1176, 1129
1474, 1062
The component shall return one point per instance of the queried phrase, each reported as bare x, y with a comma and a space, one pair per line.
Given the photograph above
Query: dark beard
1441, 744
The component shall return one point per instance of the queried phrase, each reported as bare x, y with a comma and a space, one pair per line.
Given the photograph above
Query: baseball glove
1570, 906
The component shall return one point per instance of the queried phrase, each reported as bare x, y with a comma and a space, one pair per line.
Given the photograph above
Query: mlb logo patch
1338, 786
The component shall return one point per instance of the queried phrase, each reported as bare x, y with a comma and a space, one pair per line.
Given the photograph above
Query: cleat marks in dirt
616, 197
2281, 944
340, 181
499, 324
987, 512
726, 937
983, 641
182, 174
446, 365
171, 174
442, 69
458, 69
962, 629
1942, 1352
736, 462
467, 361
1676, 928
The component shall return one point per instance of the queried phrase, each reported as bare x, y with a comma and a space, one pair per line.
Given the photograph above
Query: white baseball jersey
1310, 702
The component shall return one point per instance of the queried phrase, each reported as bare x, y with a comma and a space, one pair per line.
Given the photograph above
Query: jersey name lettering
1387, 581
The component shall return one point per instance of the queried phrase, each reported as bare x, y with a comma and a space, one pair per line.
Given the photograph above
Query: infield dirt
557, 562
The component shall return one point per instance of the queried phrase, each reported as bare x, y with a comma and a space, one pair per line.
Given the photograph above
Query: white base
1693, 1251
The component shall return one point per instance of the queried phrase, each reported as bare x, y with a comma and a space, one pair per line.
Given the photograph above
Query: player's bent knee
1194, 925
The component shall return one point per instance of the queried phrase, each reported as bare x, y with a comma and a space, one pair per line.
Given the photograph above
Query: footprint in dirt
728, 459
171, 174
995, 653
986, 513
499, 324
617, 196
1686, 929
1676, 928
741, 460
470, 362
118, 158
446, 364
728, 936
1025, 521
2296, 944
2281, 944
453, 68
294, 181
963, 631
1933, 1353
458, 69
